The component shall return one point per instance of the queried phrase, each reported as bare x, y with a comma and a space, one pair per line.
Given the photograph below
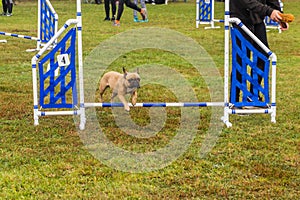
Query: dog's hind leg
102, 89
113, 95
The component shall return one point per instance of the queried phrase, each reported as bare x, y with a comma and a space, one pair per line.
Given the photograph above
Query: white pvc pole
80, 66
38, 44
273, 100
226, 64
197, 13
212, 22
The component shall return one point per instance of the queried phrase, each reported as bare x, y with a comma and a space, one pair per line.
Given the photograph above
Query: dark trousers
129, 4
113, 7
7, 6
259, 30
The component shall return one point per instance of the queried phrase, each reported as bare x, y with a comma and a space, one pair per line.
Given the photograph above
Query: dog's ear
125, 72
137, 70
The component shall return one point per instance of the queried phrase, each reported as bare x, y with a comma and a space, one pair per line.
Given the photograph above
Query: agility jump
61, 93
205, 13
47, 25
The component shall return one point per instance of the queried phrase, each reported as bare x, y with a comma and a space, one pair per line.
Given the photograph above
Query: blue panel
53, 90
249, 72
205, 14
47, 22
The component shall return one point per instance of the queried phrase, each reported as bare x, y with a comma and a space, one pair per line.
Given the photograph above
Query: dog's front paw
134, 100
126, 107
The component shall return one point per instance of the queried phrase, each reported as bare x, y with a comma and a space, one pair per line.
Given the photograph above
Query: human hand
276, 15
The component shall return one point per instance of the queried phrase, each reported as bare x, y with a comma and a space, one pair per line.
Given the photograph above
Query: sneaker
106, 19
3, 14
116, 23
146, 20
144, 13
8, 14
135, 19
113, 18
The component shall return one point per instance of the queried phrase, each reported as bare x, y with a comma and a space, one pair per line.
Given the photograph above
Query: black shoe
113, 19
106, 19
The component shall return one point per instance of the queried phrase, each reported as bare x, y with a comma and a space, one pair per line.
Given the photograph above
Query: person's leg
134, 11
119, 13
4, 5
120, 10
143, 4
9, 7
131, 5
113, 9
106, 7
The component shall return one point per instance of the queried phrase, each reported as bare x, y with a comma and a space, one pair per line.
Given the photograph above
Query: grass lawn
252, 159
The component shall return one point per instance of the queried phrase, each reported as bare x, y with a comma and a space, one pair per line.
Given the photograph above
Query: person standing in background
113, 9
135, 17
7, 7
131, 5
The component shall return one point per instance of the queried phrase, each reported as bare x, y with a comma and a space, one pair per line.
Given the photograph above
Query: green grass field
253, 159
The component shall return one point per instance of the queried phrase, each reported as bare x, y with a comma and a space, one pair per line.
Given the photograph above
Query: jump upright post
205, 13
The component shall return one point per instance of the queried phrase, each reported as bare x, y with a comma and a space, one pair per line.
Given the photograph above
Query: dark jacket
252, 12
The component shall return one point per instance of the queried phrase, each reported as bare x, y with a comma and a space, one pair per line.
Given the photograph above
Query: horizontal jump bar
19, 36
157, 104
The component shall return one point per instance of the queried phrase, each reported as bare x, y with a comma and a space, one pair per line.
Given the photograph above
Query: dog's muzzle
134, 83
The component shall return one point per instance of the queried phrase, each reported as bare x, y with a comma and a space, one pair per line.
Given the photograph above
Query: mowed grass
253, 159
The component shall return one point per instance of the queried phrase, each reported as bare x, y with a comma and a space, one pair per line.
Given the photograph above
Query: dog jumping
121, 84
